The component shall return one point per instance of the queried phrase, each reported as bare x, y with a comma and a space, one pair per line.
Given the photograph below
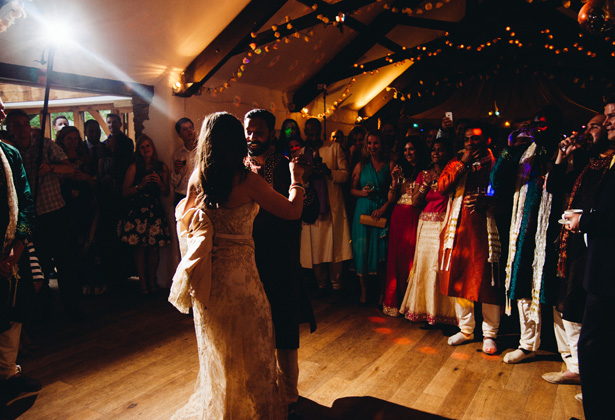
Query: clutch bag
367, 220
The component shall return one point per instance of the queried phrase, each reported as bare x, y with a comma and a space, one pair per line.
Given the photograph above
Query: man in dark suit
276, 251
597, 339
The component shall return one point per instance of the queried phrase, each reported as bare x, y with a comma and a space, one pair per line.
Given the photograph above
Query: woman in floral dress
145, 226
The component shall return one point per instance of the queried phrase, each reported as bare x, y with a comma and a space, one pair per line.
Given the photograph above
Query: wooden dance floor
135, 358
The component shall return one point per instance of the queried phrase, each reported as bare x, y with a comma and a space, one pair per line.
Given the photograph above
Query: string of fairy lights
512, 38
286, 32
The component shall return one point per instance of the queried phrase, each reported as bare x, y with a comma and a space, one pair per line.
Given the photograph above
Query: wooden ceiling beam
12, 73
235, 36
307, 21
380, 38
417, 22
489, 12
339, 65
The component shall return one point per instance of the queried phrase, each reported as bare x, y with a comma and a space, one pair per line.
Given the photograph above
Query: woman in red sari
404, 220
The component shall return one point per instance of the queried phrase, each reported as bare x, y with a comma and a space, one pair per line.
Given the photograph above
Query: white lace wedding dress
237, 377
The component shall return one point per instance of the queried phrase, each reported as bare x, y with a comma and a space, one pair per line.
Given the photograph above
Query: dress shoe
518, 355
19, 383
562, 378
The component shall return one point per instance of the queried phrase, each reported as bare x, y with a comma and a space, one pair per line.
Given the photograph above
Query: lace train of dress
238, 376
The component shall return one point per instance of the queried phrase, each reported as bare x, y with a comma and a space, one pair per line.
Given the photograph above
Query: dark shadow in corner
16, 407
357, 408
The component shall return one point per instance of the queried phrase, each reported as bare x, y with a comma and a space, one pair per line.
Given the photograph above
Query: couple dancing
218, 277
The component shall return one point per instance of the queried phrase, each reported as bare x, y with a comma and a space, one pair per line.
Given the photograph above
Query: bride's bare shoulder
249, 181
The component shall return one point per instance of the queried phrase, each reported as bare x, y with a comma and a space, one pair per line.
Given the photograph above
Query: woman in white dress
218, 277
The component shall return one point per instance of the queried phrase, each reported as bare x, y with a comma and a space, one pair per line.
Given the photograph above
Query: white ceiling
131, 40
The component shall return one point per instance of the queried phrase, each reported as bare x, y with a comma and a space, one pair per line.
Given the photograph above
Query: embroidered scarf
540, 250
9, 235
523, 176
453, 215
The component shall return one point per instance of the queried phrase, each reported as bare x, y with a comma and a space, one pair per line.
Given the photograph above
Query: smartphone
449, 115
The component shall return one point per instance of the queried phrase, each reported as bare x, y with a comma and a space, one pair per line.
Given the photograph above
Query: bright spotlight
56, 32
58, 35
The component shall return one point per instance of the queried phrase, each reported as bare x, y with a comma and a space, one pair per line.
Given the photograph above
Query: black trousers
596, 367
53, 245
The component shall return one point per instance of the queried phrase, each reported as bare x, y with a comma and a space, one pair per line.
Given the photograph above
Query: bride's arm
192, 190
275, 203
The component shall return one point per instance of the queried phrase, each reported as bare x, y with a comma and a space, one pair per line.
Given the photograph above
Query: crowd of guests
431, 225
94, 205
447, 220
92, 196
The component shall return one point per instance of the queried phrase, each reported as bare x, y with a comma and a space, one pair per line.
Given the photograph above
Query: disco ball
597, 16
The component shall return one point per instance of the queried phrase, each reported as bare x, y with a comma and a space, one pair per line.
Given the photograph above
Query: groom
276, 243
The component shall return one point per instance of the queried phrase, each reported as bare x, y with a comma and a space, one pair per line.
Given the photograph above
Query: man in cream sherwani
325, 244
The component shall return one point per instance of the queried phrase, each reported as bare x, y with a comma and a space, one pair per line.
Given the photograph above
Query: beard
600, 146
260, 149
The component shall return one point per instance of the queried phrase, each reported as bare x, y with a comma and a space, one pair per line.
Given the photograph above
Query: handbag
368, 220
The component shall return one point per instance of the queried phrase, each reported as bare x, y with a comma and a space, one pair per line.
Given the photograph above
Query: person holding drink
145, 225
404, 219
581, 184
325, 243
370, 180
470, 248
182, 158
422, 300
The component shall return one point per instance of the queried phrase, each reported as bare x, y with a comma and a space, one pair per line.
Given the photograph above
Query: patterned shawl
9, 235
454, 213
523, 176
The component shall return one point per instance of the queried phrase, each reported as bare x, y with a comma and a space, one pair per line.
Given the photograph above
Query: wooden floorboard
136, 358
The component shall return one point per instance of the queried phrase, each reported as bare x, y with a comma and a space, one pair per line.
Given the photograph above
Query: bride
218, 277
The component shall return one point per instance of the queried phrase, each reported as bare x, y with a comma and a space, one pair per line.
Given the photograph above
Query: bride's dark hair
220, 156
